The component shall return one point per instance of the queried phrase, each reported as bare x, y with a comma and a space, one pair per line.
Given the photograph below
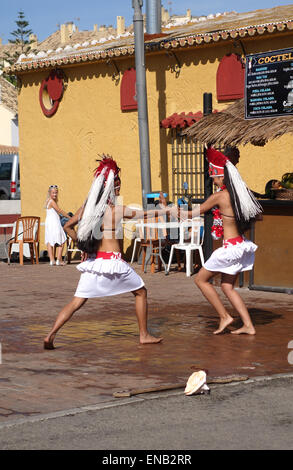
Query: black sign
269, 84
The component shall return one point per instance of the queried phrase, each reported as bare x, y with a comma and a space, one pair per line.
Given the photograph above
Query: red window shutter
230, 78
128, 90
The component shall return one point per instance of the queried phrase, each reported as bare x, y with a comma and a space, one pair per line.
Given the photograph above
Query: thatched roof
229, 127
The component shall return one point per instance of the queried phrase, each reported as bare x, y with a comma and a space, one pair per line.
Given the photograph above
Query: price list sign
269, 84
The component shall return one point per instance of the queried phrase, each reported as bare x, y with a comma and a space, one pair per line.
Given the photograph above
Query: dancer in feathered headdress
101, 194
234, 207
245, 205
103, 273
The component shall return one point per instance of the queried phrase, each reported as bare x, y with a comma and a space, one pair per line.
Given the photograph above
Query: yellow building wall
62, 149
257, 165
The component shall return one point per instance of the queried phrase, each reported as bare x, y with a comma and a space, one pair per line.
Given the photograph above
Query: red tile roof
8, 150
181, 120
265, 22
8, 95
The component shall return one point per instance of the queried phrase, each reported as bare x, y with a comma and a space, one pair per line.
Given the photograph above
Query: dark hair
228, 151
232, 153
89, 246
268, 189
242, 224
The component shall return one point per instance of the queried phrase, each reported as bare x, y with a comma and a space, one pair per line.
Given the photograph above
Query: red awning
181, 120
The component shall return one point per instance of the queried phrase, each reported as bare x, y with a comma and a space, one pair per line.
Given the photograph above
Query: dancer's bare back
111, 233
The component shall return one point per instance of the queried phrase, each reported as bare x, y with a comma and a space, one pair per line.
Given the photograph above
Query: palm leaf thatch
229, 127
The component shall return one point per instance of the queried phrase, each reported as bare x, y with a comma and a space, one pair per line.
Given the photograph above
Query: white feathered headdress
100, 195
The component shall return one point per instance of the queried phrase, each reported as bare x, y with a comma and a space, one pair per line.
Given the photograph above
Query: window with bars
187, 166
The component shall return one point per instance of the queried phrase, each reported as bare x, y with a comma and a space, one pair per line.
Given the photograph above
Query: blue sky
43, 17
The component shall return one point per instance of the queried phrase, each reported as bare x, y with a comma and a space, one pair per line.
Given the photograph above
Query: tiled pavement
98, 352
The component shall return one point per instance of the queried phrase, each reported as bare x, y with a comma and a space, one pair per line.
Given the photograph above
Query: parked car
9, 177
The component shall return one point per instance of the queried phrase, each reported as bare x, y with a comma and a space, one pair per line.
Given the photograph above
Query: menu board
269, 84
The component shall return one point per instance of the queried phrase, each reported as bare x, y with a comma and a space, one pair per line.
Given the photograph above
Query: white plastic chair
135, 235
195, 243
136, 241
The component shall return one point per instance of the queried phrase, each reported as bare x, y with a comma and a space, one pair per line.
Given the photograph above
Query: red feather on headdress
216, 158
109, 164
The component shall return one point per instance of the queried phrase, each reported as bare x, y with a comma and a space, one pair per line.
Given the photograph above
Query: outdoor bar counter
273, 269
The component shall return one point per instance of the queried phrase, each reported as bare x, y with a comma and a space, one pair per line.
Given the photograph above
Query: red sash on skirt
108, 255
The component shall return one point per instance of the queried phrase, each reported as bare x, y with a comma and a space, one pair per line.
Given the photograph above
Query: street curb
129, 401
69, 412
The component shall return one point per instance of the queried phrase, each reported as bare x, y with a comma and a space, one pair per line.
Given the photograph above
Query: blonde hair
52, 186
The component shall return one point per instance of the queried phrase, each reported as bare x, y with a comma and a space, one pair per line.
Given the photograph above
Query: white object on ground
196, 383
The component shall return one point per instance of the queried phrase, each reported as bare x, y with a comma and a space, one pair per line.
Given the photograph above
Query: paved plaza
97, 353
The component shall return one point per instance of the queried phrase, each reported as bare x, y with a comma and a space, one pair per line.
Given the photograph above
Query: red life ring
54, 87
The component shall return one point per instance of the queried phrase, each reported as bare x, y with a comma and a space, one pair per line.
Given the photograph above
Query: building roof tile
199, 31
8, 150
182, 120
8, 95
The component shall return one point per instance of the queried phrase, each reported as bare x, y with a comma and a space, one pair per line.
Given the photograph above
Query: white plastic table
162, 226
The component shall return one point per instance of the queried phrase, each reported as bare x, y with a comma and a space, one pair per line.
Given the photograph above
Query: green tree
22, 33
21, 43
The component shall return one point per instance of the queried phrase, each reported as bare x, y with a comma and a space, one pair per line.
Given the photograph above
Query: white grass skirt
104, 277
236, 255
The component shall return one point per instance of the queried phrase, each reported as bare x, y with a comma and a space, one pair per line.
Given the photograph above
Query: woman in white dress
103, 271
54, 233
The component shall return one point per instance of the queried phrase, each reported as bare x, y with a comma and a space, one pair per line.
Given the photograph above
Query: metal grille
187, 166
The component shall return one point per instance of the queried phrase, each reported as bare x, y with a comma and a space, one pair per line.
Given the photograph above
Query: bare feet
248, 330
223, 324
48, 343
148, 339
